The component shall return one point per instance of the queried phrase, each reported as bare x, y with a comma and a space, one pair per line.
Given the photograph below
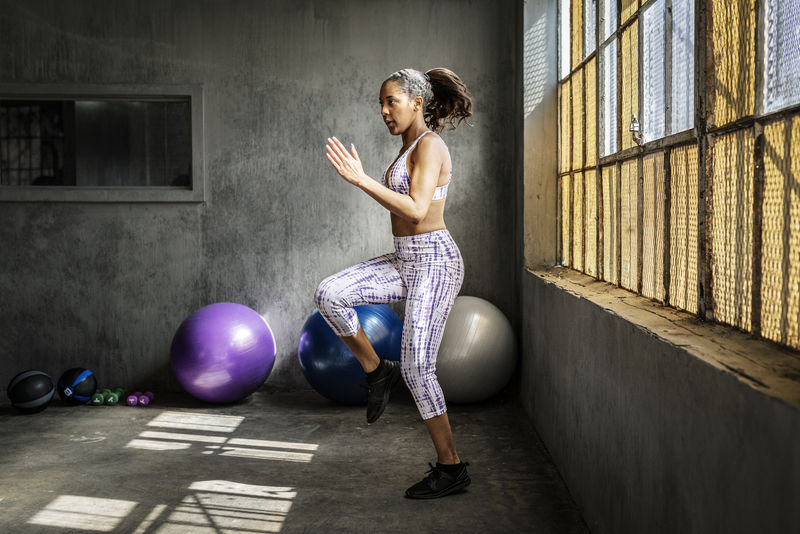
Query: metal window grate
683, 228
732, 227
577, 220
577, 119
709, 224
627, 9
610, 218
653, 226
630, 79
734, 59
629, 225
566, 210
565, 130
590, 107
590, 185
31, 143
780, 254
781, 54
576, 33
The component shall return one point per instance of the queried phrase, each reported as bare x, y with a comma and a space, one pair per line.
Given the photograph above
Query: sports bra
398, 180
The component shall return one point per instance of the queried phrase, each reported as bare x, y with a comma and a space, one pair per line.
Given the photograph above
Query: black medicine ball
77, 385
30, 391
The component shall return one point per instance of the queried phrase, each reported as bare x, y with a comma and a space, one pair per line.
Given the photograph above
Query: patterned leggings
426, 270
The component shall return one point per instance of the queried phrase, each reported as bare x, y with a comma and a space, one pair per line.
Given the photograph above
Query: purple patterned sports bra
398, 180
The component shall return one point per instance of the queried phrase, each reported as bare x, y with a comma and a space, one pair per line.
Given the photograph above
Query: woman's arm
424, 176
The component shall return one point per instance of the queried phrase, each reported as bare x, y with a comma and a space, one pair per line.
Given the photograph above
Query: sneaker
440, 482
378, 390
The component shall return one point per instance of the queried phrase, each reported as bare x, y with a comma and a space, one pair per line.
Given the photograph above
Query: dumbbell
139, 398
106, 396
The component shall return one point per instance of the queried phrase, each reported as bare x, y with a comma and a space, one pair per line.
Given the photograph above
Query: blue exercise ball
331, 368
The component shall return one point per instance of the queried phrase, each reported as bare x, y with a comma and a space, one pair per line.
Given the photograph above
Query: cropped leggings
426, 270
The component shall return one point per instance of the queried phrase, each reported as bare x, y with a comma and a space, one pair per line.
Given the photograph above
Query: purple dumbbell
145, 398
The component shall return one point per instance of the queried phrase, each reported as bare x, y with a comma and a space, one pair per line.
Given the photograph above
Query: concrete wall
106, 285
648, 436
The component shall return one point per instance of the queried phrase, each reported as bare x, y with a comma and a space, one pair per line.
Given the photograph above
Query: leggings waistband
438, 243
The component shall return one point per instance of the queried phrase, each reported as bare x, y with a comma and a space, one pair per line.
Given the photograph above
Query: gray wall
106, 285
648, 437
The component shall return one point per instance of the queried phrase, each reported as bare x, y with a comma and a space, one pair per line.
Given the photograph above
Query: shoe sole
455, 488
392, 383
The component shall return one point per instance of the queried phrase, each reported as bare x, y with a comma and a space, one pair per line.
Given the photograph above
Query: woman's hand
346, 164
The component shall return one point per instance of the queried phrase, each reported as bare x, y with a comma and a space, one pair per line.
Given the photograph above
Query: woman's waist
430, 246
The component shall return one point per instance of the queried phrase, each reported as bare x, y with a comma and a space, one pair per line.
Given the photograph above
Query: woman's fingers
337, 148
333, 162
335, 156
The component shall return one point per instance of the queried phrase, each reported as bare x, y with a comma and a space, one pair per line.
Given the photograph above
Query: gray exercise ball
478, 353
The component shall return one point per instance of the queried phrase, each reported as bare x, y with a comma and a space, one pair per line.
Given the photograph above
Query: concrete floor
277, 462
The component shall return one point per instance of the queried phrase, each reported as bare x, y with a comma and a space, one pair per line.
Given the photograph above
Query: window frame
131, 92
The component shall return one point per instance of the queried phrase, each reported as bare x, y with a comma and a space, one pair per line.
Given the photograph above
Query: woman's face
397, 108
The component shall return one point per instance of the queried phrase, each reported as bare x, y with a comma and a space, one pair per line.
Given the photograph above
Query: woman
425, 269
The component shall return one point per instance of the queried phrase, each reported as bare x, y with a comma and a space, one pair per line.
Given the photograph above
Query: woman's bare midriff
433, 221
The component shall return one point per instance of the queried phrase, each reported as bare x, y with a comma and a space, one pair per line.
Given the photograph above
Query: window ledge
764, 366
37, 193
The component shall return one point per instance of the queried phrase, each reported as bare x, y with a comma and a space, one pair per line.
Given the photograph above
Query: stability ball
223, 352
478, 351
331, 368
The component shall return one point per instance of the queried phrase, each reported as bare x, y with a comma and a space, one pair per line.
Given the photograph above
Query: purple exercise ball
223, 352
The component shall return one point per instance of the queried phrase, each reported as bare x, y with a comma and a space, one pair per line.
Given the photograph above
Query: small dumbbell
101, 397
112, 397
146, 398
139, 398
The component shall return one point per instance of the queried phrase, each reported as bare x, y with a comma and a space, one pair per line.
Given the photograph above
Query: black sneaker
378, 389
440, 482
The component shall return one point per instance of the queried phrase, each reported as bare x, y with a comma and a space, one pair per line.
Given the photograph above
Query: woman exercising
425, 268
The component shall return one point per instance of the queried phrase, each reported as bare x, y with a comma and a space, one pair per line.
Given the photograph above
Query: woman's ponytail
451, 101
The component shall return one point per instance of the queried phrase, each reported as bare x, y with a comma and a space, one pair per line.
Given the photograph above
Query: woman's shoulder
432, 142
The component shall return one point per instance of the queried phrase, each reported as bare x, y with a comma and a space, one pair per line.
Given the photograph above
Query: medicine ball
30, 391
77, 385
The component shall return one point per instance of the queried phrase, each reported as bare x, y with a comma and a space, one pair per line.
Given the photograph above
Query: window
590, 33
563, 38
781, 54
697, 214
654, 104
667, 68
97, 145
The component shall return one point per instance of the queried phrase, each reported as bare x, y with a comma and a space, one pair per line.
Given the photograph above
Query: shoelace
435, 472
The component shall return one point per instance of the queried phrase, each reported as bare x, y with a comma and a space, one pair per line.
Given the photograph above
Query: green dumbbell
97, 399
113, 396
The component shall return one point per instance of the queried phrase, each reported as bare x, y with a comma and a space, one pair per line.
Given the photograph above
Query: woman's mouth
389, 124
